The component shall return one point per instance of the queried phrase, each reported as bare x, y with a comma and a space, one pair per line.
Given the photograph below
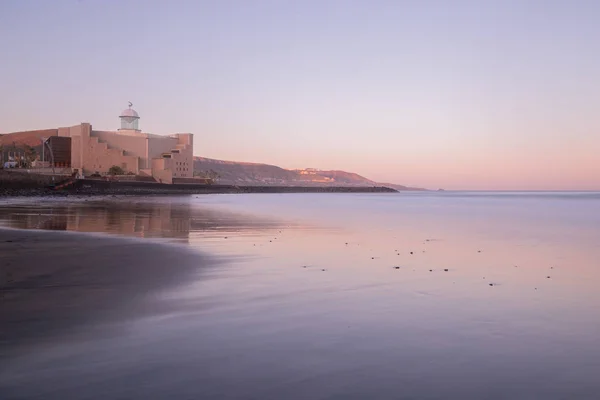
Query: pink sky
457, 95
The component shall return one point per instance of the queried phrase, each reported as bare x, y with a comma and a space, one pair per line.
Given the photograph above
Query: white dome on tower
129, 112
129, 119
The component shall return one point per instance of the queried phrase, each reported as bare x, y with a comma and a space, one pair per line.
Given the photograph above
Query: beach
54, 284
301, 296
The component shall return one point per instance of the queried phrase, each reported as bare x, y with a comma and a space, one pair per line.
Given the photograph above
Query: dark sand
53, 284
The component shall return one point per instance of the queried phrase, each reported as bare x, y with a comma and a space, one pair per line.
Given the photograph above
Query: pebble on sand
548, 277
396, 267
411, 252
446, 269
491, 284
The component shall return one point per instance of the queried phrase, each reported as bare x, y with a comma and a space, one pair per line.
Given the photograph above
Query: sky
453, 94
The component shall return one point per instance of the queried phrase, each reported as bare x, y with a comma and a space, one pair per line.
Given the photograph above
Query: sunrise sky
454, 94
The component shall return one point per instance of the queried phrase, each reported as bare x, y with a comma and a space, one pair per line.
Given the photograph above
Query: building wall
134, 151
161, 170
89, 153
79, 135
61, 151
131, 145
183, 161
100, 158
157, 145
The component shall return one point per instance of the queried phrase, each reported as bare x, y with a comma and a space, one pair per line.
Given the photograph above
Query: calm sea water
340, 296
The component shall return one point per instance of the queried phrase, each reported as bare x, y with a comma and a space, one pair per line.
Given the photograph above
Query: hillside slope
239, 173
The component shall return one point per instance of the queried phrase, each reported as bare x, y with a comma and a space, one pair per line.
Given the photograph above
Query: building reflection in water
159, 218
139, 219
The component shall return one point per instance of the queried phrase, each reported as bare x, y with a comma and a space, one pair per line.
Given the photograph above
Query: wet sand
53, 284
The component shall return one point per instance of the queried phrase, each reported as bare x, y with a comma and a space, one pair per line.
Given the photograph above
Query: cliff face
234, 173
238, 173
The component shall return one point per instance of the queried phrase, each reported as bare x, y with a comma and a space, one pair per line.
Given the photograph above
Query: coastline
13, 185
96, 187
55, 283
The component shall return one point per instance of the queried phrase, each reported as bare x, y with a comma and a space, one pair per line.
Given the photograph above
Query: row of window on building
182, 164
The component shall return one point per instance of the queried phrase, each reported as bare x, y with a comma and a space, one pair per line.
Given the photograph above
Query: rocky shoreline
117, 188
30, 185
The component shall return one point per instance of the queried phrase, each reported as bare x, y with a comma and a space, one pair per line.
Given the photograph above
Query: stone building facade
136, 152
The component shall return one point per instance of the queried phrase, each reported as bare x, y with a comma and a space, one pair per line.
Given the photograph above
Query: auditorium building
90, 151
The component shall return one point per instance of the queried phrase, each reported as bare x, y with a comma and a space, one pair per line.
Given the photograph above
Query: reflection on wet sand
167, 218
53, 285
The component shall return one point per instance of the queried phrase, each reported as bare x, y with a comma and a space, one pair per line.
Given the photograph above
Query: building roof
129, 112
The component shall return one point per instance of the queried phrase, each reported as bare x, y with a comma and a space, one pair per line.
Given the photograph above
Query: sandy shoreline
52, 283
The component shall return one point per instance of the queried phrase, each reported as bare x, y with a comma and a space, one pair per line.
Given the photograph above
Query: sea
411, 295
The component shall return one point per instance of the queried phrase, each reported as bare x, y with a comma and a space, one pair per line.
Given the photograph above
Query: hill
241, 173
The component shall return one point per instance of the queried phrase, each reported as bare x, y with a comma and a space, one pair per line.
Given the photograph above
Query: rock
491, 284
446, 269
396, 267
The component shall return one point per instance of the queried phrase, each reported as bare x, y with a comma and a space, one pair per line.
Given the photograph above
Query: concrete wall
161, 170
131, 145
183, 161
80, 136
100, 158
91, 154
157, 145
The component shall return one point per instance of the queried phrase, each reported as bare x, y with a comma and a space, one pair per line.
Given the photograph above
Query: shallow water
310, 305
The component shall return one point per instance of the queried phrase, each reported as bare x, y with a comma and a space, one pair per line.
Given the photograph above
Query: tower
129, 119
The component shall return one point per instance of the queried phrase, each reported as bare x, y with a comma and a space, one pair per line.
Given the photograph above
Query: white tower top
129, 119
